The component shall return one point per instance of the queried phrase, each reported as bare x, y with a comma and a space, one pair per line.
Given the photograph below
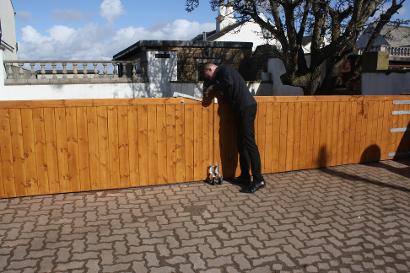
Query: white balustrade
394, 52
71, 72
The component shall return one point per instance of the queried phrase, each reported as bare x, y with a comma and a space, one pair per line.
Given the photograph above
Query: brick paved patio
352, 218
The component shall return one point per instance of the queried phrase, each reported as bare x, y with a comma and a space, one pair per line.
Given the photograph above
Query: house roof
396, 36
161, 44
390, 35
213, 35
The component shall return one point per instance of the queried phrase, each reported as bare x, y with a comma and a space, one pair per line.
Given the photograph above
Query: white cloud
61, 34
111, 9
97, 42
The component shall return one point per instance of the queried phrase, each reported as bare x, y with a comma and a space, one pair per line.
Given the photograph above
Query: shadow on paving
370, 157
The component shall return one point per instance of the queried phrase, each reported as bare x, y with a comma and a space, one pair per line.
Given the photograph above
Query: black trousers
249, 156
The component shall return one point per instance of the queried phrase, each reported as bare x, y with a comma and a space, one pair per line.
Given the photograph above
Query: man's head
209, 71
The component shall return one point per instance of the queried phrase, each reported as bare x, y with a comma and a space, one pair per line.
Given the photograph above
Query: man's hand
208, 96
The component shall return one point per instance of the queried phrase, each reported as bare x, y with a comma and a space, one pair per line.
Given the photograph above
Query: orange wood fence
79, 145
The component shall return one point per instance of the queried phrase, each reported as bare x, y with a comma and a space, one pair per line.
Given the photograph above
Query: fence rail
21, 72
79, 145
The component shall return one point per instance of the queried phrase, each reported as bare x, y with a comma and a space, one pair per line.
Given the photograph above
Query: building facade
8, 43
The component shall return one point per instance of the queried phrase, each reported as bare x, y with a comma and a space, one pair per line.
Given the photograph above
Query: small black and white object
214, 175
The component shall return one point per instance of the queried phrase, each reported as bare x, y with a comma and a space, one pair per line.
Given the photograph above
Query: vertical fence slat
179, 142
18, 152
339, 133
208, 130
379, 131
311, 130
189, 142
207, 134
133, 134
369, 149
40, 150
367, 134
152, 145
276, 121
322, 153
295, 152
3, 185
261, 131
376, 152
6, 155
335, 133
171, 142
317, 113
402, 141
284, 110
92, 125
123, 146
291, 143
162, 144
72, 145
103, 154
62, 149
51, 150
32, 182
385, 130
329, 133
352, 132
346, 132
113, 144
267, 158
360, 120
303, 134
143, 164
83, 147
198, 141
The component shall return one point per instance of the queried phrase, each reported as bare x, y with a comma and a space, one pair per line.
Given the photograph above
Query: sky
98, 29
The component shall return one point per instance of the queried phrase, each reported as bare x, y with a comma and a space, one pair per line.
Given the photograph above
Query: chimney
225, 17
204, 36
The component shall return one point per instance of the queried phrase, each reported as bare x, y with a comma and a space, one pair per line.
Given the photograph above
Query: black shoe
243, 179
256, 186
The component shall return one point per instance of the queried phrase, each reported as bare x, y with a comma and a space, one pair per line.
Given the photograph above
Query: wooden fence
79, 145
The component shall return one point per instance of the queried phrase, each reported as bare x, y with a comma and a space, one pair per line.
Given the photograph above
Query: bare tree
334, 27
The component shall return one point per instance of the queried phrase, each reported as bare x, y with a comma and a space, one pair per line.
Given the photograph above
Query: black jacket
231, 88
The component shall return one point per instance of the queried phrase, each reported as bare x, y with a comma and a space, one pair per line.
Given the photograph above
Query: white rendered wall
160, 72
73, 91
277, 69
247, 32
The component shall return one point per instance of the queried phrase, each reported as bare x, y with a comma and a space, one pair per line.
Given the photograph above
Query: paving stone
352, 218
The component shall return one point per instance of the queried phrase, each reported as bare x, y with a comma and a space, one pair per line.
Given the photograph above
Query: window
162, 56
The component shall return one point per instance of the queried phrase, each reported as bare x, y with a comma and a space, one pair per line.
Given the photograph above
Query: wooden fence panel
68, 146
